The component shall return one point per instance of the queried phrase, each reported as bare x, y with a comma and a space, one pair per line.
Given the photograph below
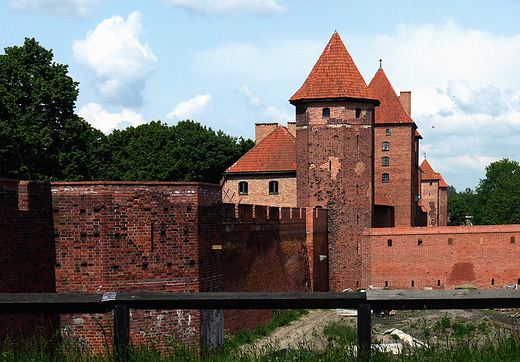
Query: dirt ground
308, 331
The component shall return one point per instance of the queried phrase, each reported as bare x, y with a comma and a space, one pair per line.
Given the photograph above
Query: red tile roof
334, 76
390, 110
430, 175
382, 200
275, 153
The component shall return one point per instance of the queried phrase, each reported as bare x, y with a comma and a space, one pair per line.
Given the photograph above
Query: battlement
243, 213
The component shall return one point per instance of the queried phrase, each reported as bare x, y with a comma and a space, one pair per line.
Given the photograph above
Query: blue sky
231, 63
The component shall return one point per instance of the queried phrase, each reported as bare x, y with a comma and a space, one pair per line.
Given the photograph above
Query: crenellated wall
27, 255
267, 249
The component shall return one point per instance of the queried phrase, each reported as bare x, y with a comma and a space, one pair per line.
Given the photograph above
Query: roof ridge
391, 109
334, 75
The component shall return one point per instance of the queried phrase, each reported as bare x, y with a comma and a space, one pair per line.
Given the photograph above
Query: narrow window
386, 161
438, 283
419, 242
389, 242
273, 188
388, 132
243, 188
326, 112
386, 284
512, 239
386, 146
492, 281
152, 227
413, 284
358, 113
450, 241
385, 178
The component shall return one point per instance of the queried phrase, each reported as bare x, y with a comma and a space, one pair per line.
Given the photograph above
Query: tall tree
498, 194
40, 136
155, 151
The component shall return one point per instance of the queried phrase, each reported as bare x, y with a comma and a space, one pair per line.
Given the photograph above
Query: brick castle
347, 206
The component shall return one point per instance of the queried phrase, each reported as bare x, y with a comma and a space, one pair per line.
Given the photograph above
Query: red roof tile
390, 110
275, 153
430, 175
334, 76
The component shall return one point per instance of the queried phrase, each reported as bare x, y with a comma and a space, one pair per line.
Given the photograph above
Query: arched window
385, 178
326, 112
273, 188
358, 112
386, 161
243, 188
386, 146
388, 132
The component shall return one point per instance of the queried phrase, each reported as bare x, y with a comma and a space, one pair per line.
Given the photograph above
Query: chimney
291, 126
262, 130
406, 101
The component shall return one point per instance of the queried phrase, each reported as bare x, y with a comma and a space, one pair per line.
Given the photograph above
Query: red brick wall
27, 252
135, 237
430, 200
266, 250
441, 257
402, 170
335, 168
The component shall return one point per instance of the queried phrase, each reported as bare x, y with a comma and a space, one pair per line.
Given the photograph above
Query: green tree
40, 136
498, 195
158, 152
457, 210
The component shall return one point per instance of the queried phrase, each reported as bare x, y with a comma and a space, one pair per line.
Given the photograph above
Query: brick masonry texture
26, 253
258, 194
402, 187
271, 250
441, 257
334, 168
135, 237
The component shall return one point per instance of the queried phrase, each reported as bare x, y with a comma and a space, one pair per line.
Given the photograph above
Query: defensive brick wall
266, 250
441, 257
136, 237
27, 254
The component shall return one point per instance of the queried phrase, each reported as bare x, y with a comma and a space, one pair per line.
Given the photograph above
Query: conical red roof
334, 76
431, 175
390, 110
275, 153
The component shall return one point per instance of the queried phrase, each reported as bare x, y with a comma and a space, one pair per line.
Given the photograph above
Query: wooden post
364, 329
121, 332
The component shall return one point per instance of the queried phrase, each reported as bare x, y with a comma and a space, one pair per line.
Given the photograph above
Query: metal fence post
364, 329
121, 332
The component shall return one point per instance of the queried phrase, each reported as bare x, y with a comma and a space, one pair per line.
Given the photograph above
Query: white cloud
75, 8
276, 62
278, 116
121, 63
94, 114
188, 109
251, 99
227, 7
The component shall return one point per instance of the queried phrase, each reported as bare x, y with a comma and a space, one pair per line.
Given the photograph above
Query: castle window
389, 242
385, 178
273, 187
358, 112
326, 112
243, 188
386, 161
512, 239
419, 242
388, 132
386, 146
450, 241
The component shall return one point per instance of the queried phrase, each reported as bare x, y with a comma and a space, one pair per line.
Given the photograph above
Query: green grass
480, 341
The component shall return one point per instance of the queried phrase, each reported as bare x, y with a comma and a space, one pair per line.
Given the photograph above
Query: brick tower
334, 147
